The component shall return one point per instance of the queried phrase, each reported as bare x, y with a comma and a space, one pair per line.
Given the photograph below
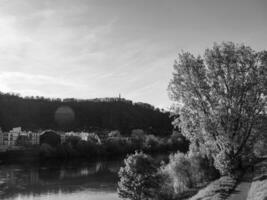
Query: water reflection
60, 180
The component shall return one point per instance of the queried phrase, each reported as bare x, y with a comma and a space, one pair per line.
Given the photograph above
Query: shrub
151, 142
46, 150
139, 178
115, 133
178, 171
116, 145
87, 148
178, 141
73, 140
185, 171
94, 138
138, 133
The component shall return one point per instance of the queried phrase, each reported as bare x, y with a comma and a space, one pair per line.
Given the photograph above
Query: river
62, 180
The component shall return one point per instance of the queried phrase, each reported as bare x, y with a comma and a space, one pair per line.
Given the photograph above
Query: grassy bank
258, 189
217, 190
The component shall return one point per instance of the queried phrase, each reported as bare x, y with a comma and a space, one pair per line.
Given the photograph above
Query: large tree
221, 97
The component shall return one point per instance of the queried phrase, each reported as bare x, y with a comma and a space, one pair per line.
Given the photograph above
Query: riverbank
113, 147
251, 184
258, 189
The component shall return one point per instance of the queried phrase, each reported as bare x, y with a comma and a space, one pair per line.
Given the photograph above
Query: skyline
92, 49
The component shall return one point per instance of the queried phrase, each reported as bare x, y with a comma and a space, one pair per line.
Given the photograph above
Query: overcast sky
103, 48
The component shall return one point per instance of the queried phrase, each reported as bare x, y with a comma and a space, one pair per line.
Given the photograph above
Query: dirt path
242, 189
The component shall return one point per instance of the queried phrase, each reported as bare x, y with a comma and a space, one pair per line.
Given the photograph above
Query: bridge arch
50, 137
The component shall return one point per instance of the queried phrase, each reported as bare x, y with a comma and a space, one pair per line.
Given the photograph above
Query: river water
59, 180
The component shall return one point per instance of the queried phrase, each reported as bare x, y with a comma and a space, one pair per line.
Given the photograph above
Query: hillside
33, 113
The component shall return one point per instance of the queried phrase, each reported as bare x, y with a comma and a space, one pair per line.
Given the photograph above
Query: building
84, 136
1, 137
34, 137
10, 139
13, 135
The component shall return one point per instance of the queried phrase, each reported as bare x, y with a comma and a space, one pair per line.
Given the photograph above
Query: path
242, 189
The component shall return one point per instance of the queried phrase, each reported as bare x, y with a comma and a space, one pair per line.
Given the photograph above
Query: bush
46, 150
178, 142
151, 143
139, 178
73, 140
178, 172
116, 146
185, 171
87, 148
115, 133
94, 138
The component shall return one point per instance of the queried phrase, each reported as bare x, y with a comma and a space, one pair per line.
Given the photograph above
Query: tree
139, 178
221, 97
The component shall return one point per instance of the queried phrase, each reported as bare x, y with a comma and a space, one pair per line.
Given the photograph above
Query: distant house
114, 133
84, 136
13, 135
1, 137
34, 137
72, 133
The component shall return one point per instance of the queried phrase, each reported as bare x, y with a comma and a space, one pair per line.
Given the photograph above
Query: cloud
90, 48
37, 84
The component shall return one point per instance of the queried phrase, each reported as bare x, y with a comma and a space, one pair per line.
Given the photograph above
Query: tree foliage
222, 97
139, 178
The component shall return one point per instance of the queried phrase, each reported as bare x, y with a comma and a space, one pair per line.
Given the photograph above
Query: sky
102, 48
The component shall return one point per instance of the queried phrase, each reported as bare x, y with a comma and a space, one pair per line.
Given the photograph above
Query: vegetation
113, 146
34, 113
217, 190
221, 109
185, 172
139, 178
258, 189
222, 99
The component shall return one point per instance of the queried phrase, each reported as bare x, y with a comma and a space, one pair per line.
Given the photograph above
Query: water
71, 180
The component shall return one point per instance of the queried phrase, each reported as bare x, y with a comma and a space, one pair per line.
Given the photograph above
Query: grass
216, 190
258, 189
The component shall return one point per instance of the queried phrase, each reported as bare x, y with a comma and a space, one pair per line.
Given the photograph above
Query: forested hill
34, 113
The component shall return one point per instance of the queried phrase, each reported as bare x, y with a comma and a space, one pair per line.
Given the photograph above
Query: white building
34, 137
82, 135
1, 137
13, 136
8, 139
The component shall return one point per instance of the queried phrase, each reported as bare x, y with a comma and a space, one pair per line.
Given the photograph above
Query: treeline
35, 113
73, 146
